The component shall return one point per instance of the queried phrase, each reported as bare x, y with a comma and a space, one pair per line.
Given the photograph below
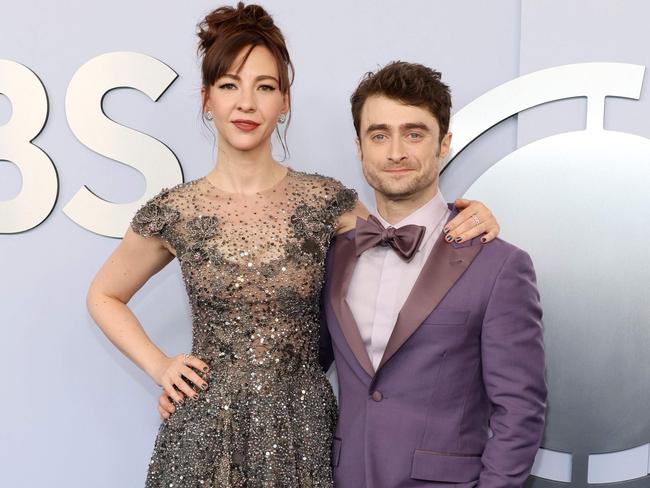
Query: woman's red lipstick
245, 125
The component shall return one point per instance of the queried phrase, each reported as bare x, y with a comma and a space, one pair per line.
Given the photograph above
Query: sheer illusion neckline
272, 188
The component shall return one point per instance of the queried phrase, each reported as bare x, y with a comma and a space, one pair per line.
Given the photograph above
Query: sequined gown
253, 269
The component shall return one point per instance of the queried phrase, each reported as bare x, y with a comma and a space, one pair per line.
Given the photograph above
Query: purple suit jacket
466, 355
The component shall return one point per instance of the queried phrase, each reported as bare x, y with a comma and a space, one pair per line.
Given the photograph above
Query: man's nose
397, 151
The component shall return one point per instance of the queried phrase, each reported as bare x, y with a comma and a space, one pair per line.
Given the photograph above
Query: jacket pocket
447, 468
336, 451
447, 316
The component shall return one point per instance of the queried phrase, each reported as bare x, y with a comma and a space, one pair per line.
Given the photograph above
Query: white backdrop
76, 413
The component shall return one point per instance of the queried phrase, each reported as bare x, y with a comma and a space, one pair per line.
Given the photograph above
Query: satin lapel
445, 265
343, 264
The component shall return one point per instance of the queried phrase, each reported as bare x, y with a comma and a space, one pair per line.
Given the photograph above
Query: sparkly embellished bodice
253, 269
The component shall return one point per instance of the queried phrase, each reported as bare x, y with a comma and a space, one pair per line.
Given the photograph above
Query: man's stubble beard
410, 188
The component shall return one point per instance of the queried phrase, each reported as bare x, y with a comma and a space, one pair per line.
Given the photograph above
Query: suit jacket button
377, 396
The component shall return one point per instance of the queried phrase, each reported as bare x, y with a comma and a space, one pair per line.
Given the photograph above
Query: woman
251, 238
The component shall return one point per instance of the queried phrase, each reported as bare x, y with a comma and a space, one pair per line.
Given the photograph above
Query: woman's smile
245, 125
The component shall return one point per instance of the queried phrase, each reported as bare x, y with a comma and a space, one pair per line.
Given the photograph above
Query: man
438, 348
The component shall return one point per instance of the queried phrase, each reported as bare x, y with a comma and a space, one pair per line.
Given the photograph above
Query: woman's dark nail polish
448, 238
483, 240
195, 396
205, 369
458, 239
445, 230
204, 386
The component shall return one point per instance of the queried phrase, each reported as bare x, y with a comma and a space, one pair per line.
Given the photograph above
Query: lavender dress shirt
382, 280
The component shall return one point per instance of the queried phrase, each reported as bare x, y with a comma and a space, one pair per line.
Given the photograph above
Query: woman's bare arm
348, 220
134, 261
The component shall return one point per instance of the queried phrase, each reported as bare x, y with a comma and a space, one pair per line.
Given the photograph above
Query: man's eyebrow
258, 78
403, 127
415, 125
374, 127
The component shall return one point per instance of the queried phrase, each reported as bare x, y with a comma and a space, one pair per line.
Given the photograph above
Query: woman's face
246, 101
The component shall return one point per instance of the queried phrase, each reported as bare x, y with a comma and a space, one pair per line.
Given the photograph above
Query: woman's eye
268, 88
227, 86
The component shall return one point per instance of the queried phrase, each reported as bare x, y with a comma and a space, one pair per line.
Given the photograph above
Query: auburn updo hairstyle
226, 31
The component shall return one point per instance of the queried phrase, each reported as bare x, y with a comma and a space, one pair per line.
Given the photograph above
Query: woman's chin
246, 142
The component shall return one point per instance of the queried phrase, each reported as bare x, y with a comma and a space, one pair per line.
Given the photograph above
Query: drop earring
282, 118
208, 115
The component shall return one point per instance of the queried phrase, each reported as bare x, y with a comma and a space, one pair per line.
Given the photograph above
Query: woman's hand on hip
165, 406
175, 375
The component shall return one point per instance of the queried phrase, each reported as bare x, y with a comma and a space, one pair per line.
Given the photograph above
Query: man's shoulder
499, 250
340, 239
344, 235
497, 245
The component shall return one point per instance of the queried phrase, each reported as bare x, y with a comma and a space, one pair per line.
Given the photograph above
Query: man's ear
359, 150
445, 145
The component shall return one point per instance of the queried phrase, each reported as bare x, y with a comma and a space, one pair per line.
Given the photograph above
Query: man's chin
393, 193
403, 191
402, 188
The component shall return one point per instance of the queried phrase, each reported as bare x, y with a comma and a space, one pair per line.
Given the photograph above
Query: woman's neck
245, 172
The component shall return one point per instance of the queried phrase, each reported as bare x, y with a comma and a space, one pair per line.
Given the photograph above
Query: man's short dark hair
410, 83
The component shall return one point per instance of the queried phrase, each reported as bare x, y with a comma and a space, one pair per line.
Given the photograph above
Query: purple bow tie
404, 240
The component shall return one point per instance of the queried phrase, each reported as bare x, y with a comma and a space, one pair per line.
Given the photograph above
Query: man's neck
394, 210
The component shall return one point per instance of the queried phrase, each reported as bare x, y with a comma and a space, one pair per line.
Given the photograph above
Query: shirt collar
430, 215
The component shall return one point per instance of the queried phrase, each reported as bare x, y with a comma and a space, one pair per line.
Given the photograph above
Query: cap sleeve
156, 217
341, 198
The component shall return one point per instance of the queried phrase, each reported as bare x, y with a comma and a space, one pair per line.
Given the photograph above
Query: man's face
399, 148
